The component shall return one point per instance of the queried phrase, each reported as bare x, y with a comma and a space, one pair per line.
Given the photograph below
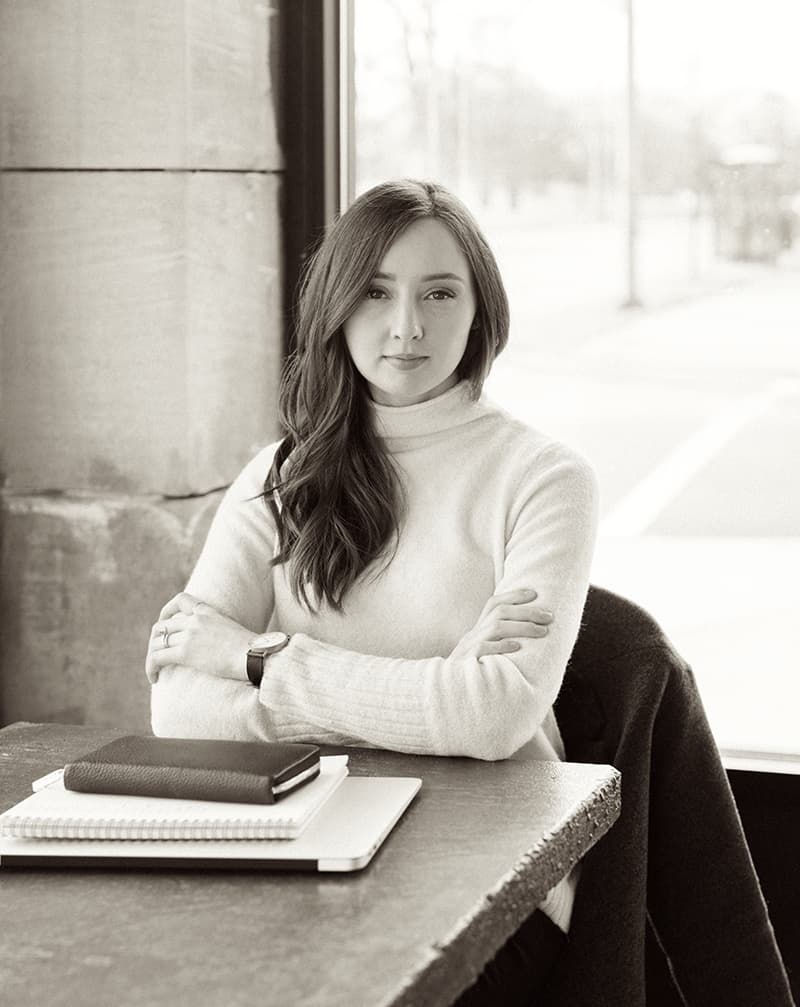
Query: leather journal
193, 769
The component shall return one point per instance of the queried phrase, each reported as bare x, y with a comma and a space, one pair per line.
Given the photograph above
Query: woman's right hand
506, 619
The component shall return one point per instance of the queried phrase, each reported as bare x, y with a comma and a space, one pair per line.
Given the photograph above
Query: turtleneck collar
451, 409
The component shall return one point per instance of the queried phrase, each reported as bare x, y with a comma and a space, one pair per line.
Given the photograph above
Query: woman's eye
441, 295
375, 294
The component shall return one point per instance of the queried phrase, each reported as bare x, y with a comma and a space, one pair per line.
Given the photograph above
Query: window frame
314, 85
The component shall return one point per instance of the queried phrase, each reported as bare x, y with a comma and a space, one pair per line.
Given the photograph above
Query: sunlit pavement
690, 414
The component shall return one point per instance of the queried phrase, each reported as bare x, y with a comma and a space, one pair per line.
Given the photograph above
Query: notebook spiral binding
115, 828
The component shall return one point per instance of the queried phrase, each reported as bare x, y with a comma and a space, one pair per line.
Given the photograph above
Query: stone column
141, 324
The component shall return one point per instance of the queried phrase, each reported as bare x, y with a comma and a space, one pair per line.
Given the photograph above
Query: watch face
272, 640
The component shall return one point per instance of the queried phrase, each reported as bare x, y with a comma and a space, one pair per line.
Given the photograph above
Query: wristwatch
259, 650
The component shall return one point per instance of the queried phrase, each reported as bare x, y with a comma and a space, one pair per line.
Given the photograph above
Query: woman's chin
409, 386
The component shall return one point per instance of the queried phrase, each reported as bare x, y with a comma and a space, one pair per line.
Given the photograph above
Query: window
656, 310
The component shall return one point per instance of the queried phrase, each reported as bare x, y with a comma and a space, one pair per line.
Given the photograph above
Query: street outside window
636, 167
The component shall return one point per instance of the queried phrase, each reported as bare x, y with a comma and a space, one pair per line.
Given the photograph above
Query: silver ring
164, 636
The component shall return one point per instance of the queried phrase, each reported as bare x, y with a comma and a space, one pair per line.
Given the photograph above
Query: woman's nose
405, 323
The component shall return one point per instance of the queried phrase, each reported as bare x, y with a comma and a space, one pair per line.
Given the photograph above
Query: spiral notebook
343, 836
56, 813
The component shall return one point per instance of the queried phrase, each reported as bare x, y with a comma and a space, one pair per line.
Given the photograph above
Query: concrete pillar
141, 324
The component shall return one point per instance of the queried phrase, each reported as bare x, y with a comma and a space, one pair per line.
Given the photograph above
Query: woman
420, 558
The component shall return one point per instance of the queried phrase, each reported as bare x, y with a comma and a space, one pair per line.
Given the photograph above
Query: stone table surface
472, 856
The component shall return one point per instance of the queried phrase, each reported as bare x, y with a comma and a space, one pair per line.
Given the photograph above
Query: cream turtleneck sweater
491, 506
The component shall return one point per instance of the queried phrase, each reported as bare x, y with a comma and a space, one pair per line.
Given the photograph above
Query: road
689, 410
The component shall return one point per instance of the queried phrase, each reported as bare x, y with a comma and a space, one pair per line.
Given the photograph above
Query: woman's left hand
195, 635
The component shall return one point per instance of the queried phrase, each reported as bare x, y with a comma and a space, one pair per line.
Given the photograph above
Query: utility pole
631, 164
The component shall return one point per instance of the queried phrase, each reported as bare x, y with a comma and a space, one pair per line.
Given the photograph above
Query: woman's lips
405, 362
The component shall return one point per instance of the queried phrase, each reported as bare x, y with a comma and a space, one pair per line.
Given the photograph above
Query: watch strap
255, 666
257, 655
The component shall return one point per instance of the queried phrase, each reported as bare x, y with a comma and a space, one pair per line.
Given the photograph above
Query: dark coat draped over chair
669, 900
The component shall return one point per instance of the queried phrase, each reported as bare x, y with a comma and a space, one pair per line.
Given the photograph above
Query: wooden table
470, 859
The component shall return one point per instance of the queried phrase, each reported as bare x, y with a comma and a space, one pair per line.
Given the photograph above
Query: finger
176, 622
529, 630
170, 643
508, 630
182, 602
153, 670
164, 628
163, 656
157, 633
488, 647
152, 664
172, 606
524, 613
519, 596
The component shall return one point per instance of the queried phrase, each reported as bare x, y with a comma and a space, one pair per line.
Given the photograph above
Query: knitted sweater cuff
302, 689
558, 902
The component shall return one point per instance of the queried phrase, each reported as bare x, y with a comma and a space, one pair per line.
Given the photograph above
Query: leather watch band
260, 648
255, 666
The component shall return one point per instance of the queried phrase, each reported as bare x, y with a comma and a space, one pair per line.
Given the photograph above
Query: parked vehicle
753, 217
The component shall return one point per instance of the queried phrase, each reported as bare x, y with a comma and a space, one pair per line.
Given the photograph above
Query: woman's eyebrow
424, 279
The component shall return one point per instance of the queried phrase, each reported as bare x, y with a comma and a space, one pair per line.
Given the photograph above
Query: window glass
668, 350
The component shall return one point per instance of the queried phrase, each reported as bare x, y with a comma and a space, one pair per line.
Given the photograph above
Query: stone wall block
83, 580
110, 84
141, 329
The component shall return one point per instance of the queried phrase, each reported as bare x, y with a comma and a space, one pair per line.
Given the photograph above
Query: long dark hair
332, 488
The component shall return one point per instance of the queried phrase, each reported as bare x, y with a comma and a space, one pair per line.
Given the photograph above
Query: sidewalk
690, 414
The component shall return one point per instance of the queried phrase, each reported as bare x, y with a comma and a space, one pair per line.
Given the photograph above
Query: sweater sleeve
232, 575
485, 708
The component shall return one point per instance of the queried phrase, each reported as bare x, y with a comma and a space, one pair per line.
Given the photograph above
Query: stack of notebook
236, 805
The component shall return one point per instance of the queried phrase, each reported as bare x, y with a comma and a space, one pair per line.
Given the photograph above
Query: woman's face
408, 335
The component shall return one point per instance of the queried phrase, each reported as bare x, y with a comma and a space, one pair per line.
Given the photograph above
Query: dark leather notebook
190, 769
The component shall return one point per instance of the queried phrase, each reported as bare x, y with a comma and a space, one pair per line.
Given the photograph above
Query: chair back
610, 627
